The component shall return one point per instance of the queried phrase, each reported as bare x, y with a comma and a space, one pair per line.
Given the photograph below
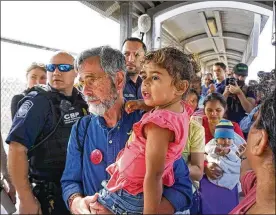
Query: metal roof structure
226, 31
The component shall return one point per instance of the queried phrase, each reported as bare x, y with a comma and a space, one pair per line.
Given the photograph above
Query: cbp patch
24, 109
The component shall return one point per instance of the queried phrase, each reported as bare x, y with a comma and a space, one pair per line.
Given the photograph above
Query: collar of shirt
72, 98
132, 91
123, 119
221, 83
102, 122
138, 81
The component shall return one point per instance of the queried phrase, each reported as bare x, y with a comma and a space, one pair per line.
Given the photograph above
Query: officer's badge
24, 109
84, 111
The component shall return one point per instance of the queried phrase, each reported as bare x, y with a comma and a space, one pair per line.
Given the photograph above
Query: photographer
265, 86
240, 98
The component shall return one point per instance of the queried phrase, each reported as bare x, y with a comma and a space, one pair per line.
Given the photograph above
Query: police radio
64, 107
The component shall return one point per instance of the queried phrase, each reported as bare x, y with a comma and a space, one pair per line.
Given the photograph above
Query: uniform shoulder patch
24, 109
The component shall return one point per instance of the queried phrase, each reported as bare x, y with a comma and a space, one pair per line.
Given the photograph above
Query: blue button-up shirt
204, 90
247, 121
220, 87
132, 91
82, 176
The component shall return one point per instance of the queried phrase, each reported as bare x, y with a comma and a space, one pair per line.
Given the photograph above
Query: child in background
223, 151
145, 165
192, 99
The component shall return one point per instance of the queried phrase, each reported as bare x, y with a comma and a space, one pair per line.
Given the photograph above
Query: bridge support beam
125, 21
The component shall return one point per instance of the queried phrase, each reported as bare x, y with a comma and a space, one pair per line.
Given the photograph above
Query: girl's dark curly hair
179, 65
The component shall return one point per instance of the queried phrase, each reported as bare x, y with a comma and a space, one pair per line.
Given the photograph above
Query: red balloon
96, 156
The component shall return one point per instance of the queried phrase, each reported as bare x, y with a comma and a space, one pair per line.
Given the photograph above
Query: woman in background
215, 199
193, 152
35, 74
258, 166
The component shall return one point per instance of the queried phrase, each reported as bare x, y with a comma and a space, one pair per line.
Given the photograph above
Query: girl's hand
133, 105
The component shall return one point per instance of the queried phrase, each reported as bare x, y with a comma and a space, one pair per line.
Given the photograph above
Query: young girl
146, 163
224, 152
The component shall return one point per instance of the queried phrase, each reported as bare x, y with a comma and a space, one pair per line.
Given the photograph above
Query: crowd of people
139, 132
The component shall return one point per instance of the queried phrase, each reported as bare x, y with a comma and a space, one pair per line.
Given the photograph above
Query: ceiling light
211, 22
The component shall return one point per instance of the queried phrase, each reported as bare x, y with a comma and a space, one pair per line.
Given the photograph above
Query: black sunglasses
61, 67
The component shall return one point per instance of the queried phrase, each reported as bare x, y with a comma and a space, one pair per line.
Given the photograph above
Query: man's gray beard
100, 109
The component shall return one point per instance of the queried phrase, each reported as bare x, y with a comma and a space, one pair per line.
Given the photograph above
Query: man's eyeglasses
61, 67
89, 81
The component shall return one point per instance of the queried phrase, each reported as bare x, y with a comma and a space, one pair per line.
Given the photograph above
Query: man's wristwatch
72, 197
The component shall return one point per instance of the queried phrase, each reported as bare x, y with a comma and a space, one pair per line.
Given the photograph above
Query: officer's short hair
135, 39
111, 60
61, 52
221, 64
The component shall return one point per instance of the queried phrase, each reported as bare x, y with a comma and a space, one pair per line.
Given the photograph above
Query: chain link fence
9, 88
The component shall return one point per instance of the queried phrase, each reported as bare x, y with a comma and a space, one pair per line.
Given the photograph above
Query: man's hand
97, 208
213, 171
81, 205
29, 206
9, 188
255, 116
165, 207
235, 89
226, 92
12, 193
212, 88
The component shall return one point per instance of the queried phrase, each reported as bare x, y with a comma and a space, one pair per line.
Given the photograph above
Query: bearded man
97, 139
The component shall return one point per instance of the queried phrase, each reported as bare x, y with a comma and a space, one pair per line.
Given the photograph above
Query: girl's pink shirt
129, 170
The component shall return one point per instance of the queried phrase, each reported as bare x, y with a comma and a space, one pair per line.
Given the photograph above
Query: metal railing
9, 88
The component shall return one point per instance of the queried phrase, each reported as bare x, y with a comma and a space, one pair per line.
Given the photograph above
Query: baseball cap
241, 69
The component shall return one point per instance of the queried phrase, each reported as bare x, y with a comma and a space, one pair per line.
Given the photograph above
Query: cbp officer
39, 135
134, 51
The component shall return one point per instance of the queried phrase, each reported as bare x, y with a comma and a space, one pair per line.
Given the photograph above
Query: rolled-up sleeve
180, 194
247, 122
71, 181
33, 118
